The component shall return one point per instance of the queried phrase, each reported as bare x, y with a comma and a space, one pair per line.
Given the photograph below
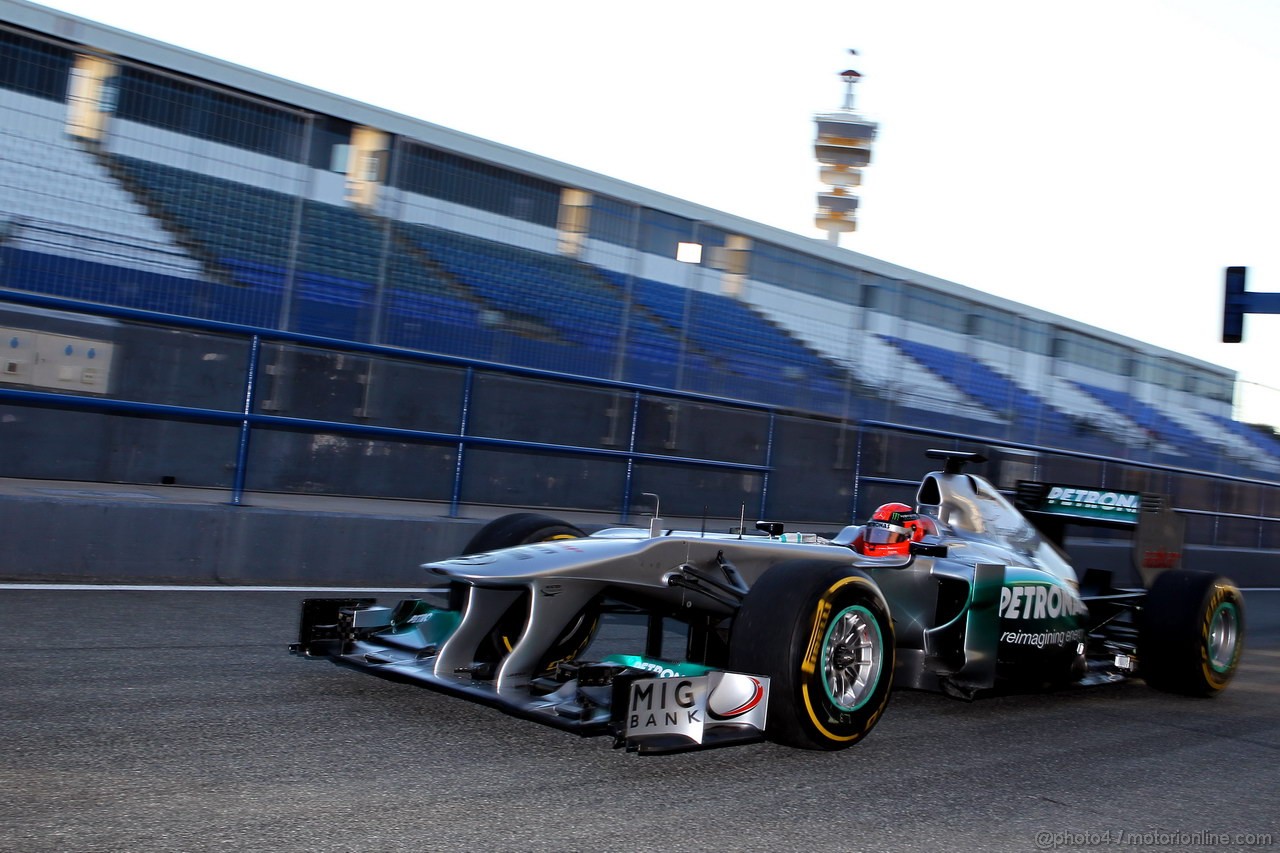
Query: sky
1104, 160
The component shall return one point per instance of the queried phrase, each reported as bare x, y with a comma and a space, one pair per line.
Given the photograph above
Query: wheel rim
1224, 634
852, 654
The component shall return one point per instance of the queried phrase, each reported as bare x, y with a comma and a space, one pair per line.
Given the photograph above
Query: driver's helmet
890, 531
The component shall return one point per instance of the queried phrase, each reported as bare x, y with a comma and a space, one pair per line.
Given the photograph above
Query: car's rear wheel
1192, 633
527, 528
823, 636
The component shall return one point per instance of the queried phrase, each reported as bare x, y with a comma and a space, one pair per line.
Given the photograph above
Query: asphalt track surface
176, 721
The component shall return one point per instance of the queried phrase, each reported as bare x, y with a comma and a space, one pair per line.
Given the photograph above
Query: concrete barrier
94, 533
56, 531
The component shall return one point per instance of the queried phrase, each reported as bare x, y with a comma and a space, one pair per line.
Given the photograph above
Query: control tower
843, 149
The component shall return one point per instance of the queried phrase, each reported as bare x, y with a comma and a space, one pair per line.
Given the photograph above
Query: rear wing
1084, 505
1156, 531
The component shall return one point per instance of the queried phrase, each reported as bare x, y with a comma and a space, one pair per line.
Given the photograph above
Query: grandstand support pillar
732, 260
573, 222
91, 97
367, 161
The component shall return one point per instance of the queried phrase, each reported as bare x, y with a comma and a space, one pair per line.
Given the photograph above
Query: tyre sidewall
781, 632
1177, 624
833, 721
1221, 596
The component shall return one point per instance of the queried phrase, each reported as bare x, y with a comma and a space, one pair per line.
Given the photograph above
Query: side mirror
926, 549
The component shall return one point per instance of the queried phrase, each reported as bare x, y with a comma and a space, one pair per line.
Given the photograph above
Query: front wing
647, 705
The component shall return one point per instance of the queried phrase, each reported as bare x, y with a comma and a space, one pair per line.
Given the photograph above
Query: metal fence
108, 394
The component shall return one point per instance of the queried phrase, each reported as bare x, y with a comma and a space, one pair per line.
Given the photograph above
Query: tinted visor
883, 533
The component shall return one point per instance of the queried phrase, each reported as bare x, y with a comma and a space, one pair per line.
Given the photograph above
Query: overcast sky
1100, 159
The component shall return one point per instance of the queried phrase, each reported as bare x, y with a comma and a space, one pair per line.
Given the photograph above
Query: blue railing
247, 418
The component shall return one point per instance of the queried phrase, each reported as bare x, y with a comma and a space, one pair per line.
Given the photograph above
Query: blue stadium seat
1160, 426
1261, 438
1028, 413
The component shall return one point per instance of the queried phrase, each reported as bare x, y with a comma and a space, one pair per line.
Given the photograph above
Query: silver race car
670, 640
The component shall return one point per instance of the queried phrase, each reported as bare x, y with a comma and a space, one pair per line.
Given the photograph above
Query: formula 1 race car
791, 636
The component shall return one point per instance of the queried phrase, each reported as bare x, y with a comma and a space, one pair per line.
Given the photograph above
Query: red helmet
890, 531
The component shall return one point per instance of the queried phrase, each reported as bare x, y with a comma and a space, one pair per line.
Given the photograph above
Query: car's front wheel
823, 635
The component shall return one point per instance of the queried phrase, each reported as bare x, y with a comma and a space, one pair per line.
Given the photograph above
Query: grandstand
139, 175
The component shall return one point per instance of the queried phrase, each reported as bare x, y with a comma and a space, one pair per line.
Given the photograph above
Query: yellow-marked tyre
1192, 633
823, 635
